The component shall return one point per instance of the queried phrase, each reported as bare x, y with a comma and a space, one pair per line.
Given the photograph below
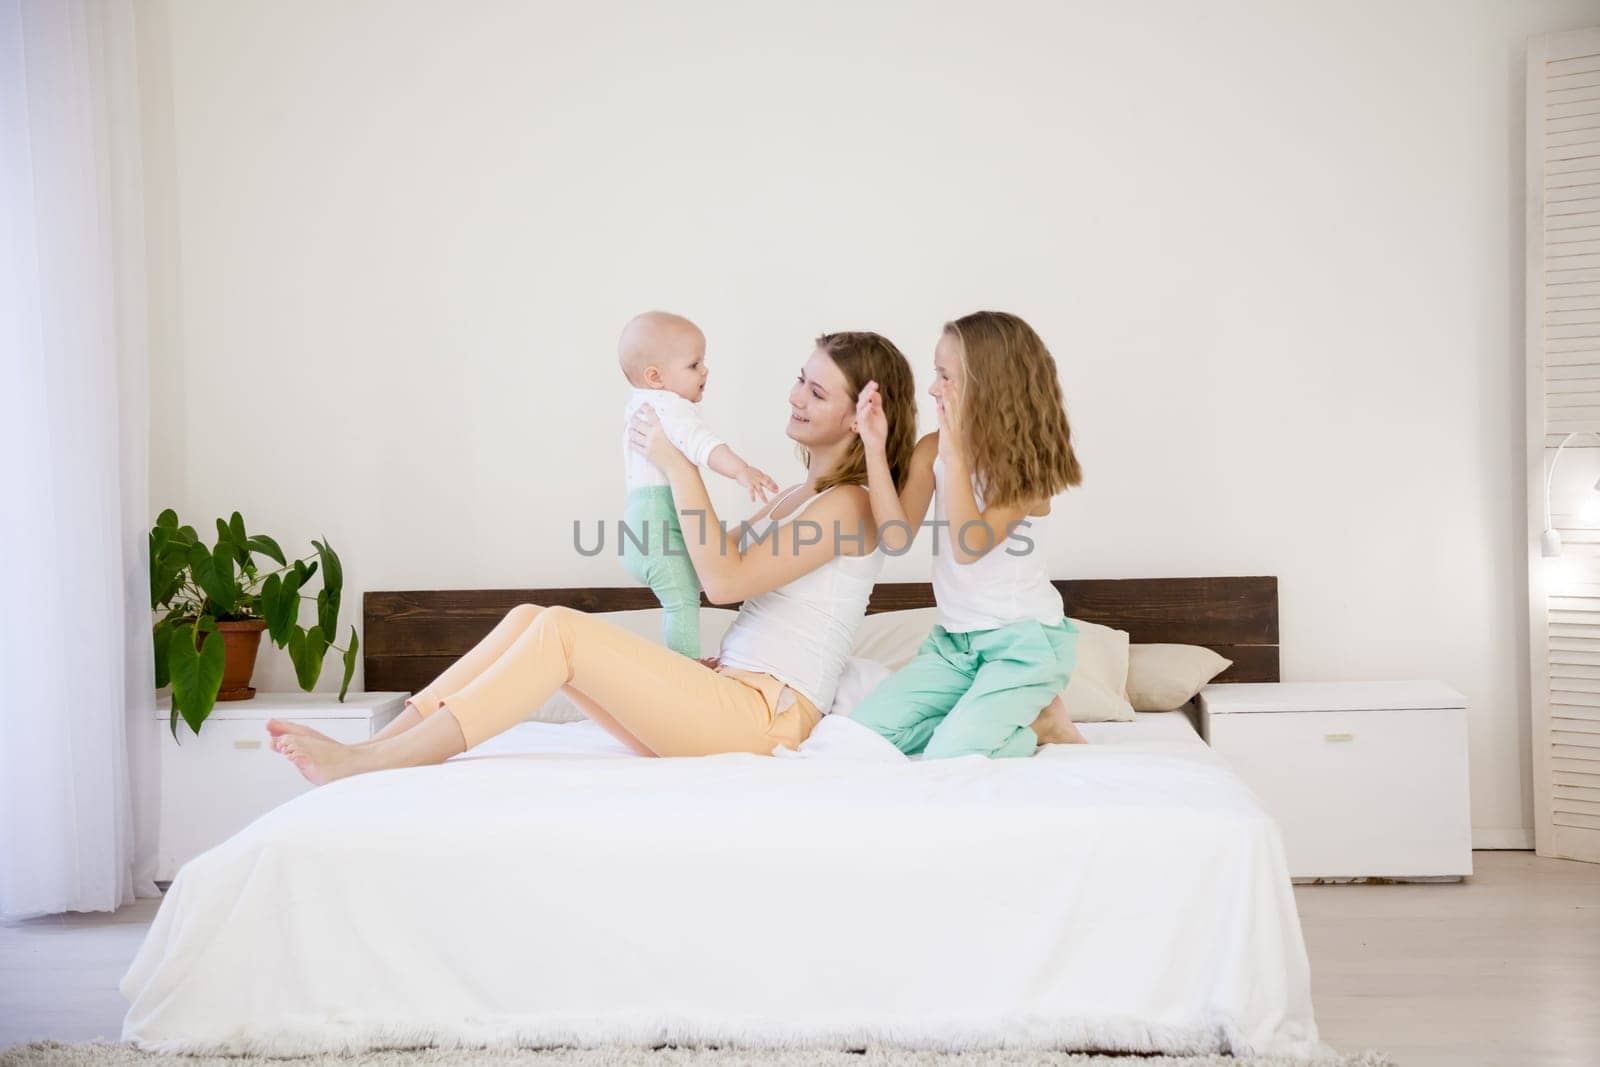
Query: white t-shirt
801, 632
1009, 583
681, 422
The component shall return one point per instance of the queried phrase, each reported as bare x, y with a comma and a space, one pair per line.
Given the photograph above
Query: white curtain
78, 760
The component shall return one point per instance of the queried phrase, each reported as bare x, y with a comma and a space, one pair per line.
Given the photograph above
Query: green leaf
306, 649
196, 673
280, 606
166, 568
187, 535
205, 574
332, 571
267, 547
161, 638
168, 519
169, 558
214, 574
213, 658
328, 610
349, 664
332, 587
241, 540
304, 572
160, 536
175, 553
270, 598
228, 538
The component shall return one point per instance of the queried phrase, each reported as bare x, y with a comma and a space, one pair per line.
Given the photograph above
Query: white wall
1275, 248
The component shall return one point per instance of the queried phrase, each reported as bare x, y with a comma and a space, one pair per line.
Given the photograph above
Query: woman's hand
650, 440
872, 425
950, 413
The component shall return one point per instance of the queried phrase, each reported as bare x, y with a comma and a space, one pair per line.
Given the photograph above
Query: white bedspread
550, 889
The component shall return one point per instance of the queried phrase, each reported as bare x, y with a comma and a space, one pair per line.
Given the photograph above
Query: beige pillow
1166, 677
1097, 691
646, 622
893, 637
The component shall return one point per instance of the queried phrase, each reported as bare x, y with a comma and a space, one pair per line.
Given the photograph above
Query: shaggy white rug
82, 1054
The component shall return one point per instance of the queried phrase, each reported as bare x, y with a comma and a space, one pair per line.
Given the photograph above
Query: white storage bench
1366, 779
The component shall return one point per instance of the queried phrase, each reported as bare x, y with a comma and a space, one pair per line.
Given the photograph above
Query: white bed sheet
1150, 731
549, 888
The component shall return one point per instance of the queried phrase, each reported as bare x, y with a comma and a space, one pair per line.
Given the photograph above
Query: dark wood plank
1251, 663
410, 637
900, 596
450, 621
393, 674
1187, 611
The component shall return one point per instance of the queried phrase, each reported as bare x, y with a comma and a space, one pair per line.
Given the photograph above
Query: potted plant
202, 591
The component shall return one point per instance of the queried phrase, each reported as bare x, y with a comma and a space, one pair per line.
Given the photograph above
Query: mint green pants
973, 693
663, 564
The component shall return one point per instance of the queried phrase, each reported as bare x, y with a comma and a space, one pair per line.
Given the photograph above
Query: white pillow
1097, 690
646, 622
1166, 677
859, 677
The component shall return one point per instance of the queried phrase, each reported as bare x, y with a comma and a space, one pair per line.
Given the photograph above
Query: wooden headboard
411, 637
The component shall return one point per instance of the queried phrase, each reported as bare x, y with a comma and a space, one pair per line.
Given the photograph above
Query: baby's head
659, 350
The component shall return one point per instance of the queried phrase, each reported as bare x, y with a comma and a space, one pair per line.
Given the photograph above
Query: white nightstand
215, 783
1365, 779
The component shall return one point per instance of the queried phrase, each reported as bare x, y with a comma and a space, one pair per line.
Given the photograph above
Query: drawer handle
1338, 737
247, 744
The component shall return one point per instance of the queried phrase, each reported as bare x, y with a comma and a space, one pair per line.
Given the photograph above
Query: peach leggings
654, 700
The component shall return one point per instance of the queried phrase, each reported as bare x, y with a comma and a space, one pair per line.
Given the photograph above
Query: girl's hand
949, 410
648, 439
872, 425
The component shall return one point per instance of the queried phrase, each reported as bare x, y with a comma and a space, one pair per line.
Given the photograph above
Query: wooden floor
1502, 969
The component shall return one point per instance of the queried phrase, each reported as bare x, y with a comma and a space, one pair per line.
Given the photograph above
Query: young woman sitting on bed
803, 598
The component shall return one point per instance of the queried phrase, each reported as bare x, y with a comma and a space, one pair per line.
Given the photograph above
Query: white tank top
801, 632
1007, 585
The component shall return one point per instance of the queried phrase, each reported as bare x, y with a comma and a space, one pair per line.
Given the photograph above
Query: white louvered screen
1563, 354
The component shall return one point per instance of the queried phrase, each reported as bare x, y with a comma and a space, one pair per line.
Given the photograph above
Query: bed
548, 888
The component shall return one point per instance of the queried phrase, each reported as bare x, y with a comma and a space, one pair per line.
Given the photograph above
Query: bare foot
1053, 727
320, 760
279, 727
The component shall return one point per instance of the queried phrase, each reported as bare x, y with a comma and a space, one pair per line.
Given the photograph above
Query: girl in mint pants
976, 692
1003, 649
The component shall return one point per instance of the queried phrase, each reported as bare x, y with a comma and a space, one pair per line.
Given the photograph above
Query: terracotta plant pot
240, 640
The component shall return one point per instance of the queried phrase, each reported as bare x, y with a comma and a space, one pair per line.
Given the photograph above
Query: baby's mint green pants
973, 693
663, 564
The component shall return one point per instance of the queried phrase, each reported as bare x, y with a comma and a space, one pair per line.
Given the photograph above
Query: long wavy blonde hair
1014, 425
870, 357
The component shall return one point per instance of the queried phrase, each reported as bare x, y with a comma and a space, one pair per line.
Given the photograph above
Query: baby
664, 359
